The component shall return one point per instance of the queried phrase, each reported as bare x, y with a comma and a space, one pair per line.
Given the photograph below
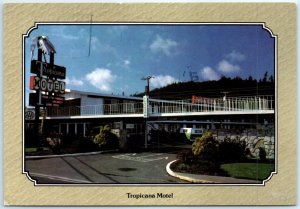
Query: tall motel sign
45, 80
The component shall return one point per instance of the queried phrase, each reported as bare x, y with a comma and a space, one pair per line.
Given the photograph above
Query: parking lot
147, 167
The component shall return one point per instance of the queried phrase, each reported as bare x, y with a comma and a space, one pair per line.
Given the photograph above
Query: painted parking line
151, 155
143, 159
60, 178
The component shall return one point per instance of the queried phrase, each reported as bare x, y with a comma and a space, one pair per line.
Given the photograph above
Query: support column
121, 125
214, 104
83, 129
146, 134
259, 103
67, 128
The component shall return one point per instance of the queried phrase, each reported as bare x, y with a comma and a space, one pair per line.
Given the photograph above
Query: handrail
165, 106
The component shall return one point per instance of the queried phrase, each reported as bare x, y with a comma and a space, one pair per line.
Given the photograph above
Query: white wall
91, 105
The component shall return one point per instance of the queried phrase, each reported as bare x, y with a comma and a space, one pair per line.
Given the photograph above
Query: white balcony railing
155, 107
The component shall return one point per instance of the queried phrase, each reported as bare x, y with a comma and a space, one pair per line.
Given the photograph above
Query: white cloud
101, 78
97, 45
126, 63
226, 67
207, 73
236, 56
61, 33
166, 46
73, 81
162, 80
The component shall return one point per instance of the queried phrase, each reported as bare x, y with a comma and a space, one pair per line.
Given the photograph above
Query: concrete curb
185, 178
207, 179
69, 155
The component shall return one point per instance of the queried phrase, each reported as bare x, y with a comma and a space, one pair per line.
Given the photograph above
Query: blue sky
120, 55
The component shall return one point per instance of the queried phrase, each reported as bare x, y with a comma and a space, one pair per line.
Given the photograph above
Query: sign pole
45, 83
37, 106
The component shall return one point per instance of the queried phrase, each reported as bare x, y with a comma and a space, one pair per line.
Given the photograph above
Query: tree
265, 79
250, 78
206, 147
271, 79
106, 139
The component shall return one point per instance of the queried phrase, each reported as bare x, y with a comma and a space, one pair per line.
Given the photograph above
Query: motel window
128, 107
72, 128
80, 129
63, 128
116, 125
114, 105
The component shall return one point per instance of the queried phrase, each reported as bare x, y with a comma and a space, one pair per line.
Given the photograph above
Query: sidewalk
206, 179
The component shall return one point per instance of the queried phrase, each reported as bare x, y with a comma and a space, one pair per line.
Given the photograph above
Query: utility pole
225, 98
147, 88
225, 95
145, 107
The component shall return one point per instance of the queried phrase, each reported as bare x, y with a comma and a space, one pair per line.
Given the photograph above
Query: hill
232, 86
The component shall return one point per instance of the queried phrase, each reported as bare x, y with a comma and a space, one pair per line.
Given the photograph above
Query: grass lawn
33, 150
256, 171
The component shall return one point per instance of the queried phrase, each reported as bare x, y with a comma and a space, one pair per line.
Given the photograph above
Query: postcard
150, 104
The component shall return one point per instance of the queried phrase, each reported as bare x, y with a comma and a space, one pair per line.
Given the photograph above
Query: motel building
84, 112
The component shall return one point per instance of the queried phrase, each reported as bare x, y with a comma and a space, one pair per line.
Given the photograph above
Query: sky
110, 59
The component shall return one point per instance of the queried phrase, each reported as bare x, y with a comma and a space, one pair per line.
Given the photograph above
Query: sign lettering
47, 85
43, 86
62, 87
50, 85
56, 87
29, 115
47, 100
55, 71
145, 106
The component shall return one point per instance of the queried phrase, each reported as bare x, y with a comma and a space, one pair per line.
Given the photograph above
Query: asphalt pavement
106, 168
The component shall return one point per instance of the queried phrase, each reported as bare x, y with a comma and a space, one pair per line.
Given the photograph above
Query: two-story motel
84, 110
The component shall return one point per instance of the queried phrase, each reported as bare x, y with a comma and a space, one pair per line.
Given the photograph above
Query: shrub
231, 150
31, 138
185, 156
208, 168
262, 154
105, 139
67, 139
54, 144
183, 167
206, 147
86, 145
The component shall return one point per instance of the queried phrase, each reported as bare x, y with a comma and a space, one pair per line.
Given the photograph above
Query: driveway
107, 168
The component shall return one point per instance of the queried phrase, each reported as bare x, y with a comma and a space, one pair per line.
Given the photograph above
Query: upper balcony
155, 107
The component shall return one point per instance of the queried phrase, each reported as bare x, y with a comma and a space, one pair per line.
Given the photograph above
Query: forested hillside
232, 86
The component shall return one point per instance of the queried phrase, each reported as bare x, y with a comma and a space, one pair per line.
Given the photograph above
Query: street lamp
148, 82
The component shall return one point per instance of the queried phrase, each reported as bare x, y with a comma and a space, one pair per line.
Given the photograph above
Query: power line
90, 40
